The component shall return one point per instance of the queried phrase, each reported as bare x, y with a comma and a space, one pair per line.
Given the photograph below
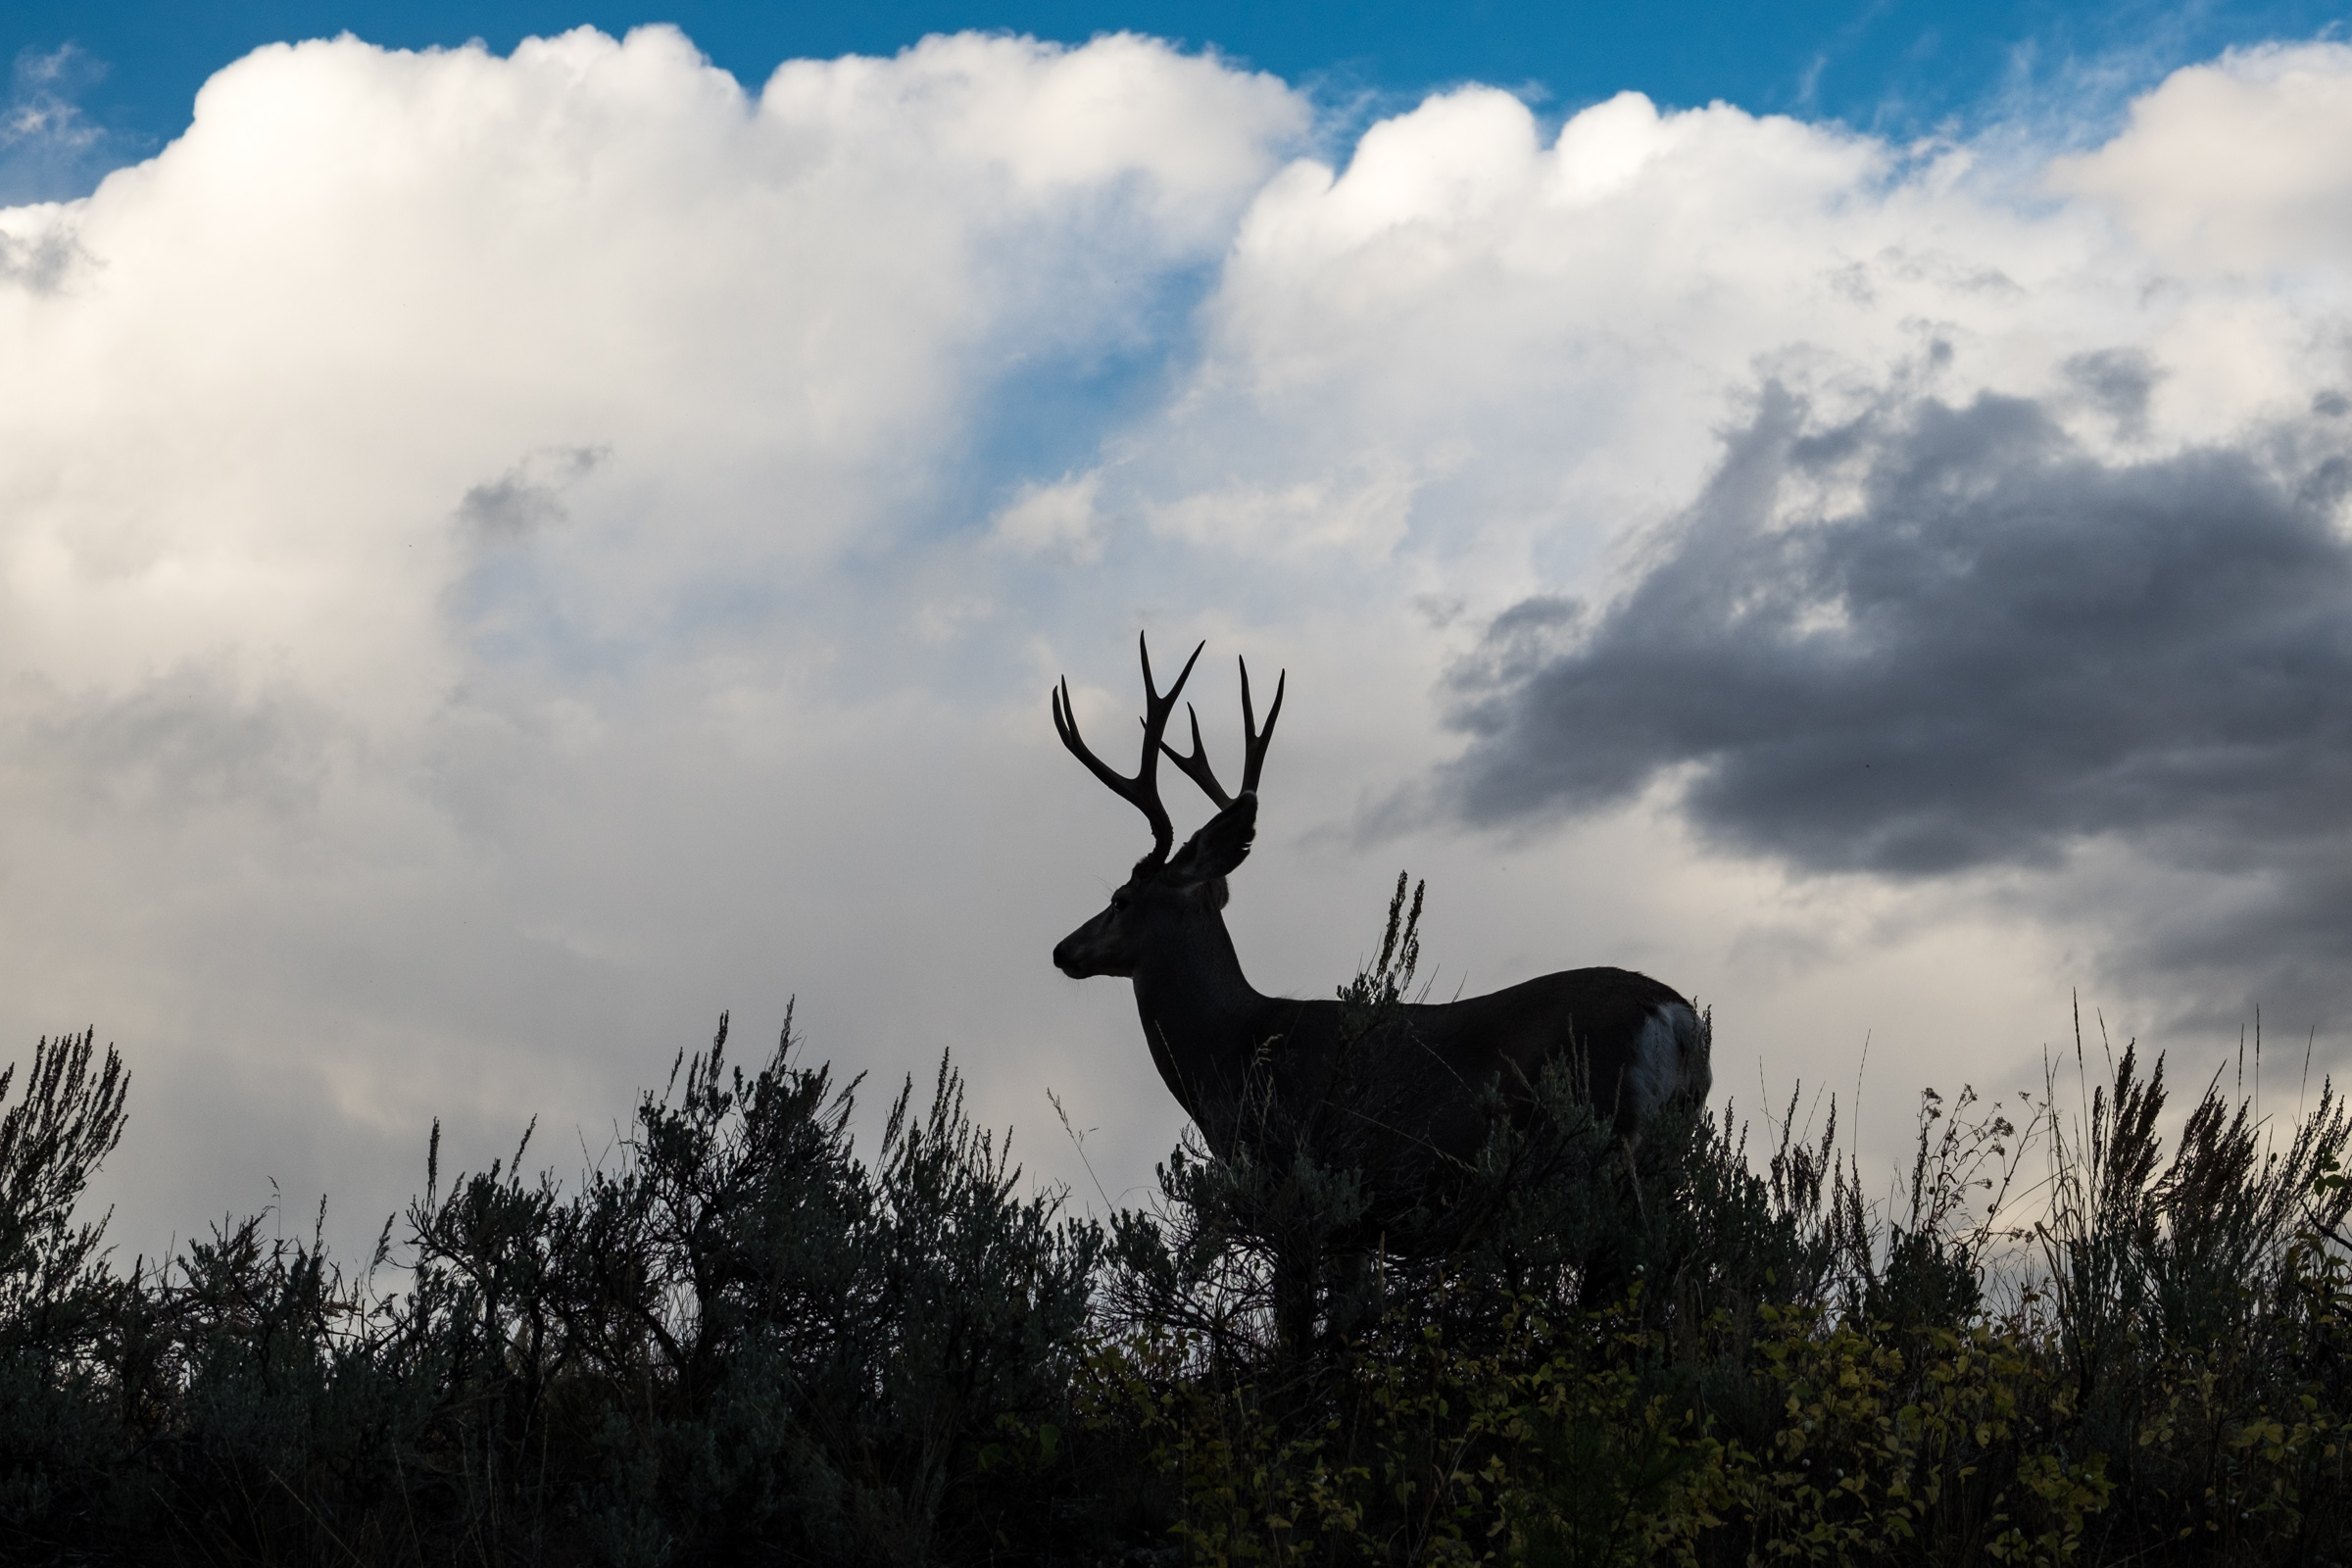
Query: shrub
736, 1340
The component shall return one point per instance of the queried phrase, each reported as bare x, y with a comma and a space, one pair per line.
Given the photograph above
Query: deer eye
1119, 901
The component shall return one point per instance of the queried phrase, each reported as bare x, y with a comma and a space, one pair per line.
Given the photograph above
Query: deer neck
1200, 1015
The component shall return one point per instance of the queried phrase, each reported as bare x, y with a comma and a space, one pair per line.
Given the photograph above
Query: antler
1253, 743
1142, 791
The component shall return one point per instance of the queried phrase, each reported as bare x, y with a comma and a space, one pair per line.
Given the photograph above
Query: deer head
1166, 892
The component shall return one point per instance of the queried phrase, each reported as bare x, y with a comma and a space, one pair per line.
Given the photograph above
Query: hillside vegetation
739, 1341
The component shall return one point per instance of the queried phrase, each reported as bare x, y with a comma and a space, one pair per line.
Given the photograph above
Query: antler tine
1158, 709
1142, 790
1129, 790
1253, 743
1195, 767
1255, 739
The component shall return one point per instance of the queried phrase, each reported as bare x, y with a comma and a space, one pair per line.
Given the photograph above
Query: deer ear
1222, 842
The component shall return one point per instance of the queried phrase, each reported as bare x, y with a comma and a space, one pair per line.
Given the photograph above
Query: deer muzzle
1089, 950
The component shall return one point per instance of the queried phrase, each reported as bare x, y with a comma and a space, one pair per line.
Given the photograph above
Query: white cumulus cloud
502, 557
2237, 166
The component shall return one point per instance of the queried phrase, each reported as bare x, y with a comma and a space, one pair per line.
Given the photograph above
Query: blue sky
1898, 66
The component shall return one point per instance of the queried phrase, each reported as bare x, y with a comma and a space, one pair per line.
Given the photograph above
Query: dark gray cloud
509, 506
1996, 646
2118, 381
527, 497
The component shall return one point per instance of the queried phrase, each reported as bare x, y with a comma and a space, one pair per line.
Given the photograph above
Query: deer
1437, 1069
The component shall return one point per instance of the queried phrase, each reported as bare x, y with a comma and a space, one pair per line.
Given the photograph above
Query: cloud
457, 513
527, 497
2006, 644
1363, 514
2119, 382
1058, 517
2233, 166
784, 305
501, 557
40, 261
1997, 646
188, 743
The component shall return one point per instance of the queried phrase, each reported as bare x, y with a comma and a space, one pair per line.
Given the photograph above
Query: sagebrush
2063, 1339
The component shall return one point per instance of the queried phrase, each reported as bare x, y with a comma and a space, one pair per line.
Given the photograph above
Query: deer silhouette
1436, 1072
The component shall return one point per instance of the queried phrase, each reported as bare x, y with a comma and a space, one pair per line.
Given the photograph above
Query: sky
510, 548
